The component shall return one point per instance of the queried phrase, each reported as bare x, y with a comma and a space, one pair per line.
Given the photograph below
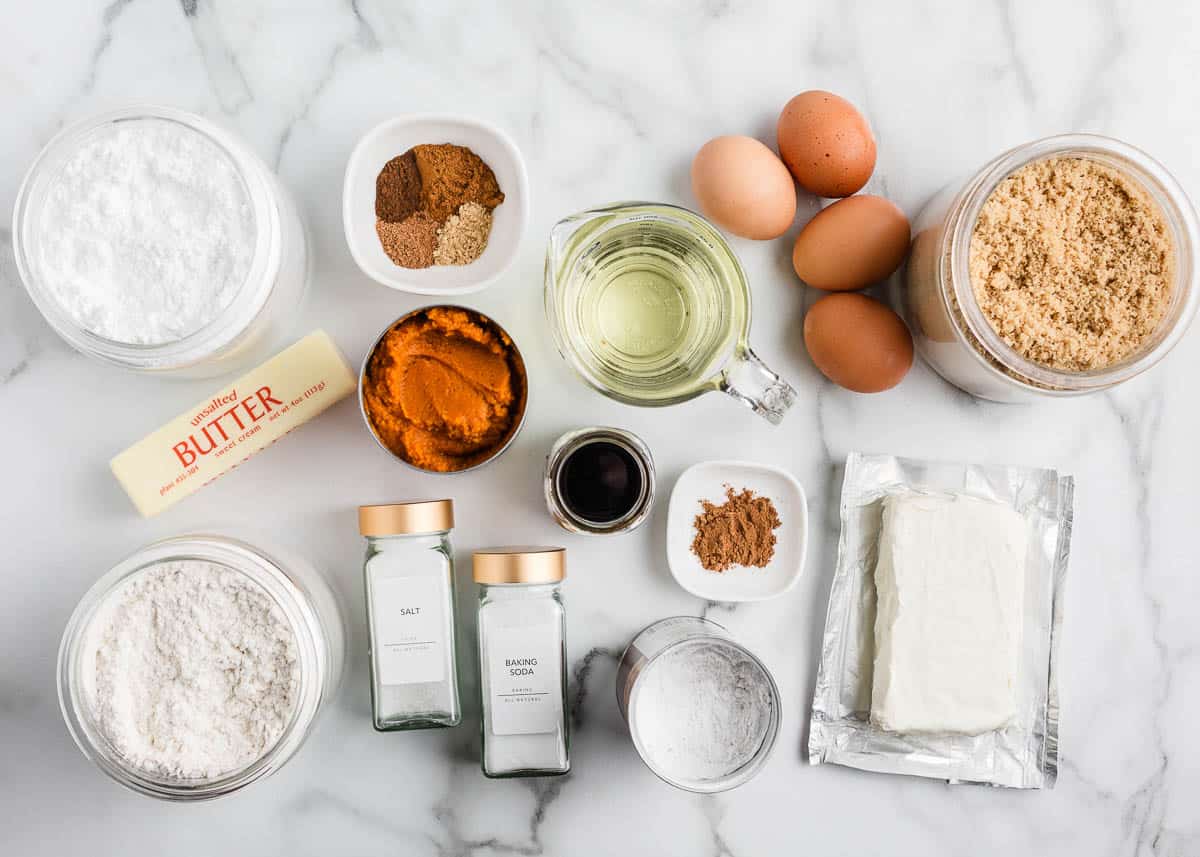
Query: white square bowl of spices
435, 205
737, 531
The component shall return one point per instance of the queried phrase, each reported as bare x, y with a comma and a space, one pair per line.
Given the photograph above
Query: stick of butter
218, 434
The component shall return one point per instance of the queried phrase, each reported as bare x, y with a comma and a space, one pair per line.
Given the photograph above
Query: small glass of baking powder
155, 240
702, 710
951, 328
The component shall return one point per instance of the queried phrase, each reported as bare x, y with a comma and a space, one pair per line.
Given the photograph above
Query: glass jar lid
519, 564
406, 519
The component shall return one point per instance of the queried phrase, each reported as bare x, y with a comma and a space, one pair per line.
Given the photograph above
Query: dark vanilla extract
600, 482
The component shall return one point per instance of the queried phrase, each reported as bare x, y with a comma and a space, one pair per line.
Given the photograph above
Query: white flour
196, 670
146, 233
702, 711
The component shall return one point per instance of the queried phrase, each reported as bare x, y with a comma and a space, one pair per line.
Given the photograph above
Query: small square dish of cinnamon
736, 531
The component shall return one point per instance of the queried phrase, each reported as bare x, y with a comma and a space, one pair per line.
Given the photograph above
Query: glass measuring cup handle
752, 383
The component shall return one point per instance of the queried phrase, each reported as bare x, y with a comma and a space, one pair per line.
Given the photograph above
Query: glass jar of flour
409, 579
522, 661
155, 240
199, 665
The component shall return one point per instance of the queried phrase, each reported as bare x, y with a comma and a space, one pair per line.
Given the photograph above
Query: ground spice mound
453, 175
444, 389
740, 531
1072, 263
410, 243
398, 188
463, 237
433, 206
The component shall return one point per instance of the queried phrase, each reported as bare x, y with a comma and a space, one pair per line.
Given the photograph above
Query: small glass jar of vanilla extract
599, 480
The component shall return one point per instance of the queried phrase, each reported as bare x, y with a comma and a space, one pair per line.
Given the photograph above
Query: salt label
410, 647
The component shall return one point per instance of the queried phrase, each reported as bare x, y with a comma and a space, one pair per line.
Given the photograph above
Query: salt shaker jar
409, 578
522, 661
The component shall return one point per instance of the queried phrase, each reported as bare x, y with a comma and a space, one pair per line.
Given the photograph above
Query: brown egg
743, 187
826, 143
849, 245
858, 343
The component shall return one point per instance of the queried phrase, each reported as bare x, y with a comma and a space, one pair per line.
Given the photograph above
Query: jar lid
402, 519
520, 564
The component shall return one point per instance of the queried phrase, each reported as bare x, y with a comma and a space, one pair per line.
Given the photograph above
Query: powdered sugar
146, 233
196, 670
702, 711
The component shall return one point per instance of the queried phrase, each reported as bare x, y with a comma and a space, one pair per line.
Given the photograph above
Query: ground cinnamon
740, 531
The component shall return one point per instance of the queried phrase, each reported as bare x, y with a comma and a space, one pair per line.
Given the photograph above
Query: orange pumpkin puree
443, 389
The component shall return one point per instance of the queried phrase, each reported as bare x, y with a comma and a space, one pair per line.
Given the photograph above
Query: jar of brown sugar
1064, 266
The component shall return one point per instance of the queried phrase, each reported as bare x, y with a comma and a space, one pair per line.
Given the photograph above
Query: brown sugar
740, 531
452, 175
1072, 263
443, 389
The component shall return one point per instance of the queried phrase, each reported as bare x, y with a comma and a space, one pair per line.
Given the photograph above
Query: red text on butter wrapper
245, 413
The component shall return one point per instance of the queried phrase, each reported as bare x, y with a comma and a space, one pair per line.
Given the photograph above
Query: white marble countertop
608, 101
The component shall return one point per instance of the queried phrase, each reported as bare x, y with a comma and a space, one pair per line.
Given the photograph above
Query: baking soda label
526, 674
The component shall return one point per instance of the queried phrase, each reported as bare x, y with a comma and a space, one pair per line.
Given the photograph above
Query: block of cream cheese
248, 415
950, 581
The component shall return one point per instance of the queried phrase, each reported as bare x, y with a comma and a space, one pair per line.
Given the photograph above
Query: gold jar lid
519, 564
405, 519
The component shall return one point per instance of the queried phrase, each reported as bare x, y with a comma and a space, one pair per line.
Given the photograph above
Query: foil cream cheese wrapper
244, 417
1023, 754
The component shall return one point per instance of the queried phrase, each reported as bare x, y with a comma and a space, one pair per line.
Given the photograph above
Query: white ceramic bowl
397, 136
707, 481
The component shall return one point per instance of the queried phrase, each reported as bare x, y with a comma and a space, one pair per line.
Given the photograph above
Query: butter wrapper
1023, 753
214, 436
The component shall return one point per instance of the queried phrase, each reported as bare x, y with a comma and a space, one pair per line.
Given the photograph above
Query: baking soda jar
522, 661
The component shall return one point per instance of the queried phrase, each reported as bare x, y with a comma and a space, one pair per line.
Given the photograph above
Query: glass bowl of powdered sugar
155, 240
703, 712
198, 665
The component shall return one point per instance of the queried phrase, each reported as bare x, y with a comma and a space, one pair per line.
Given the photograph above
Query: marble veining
608, 101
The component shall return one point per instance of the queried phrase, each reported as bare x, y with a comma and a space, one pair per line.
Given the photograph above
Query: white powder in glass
194, 670
702, 710
146, 233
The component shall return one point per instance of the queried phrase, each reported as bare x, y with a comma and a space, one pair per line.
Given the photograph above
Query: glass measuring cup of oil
649, 304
